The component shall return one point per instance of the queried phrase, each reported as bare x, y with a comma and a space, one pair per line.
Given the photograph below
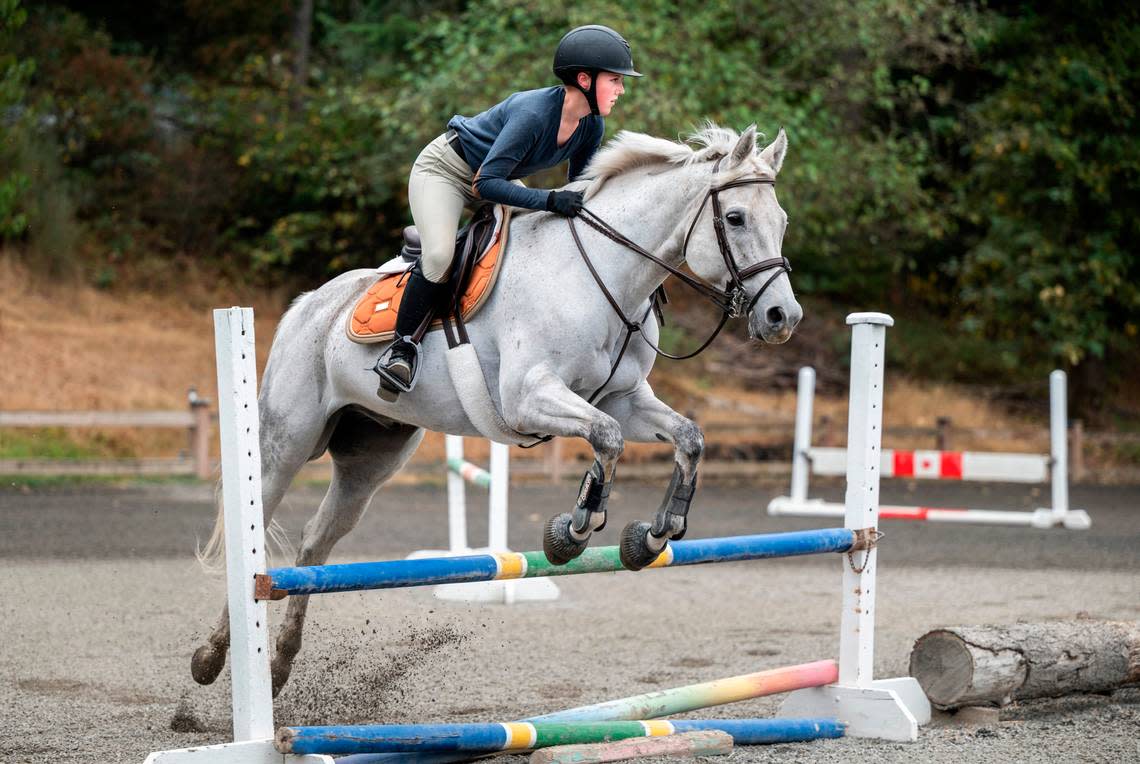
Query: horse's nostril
775, 316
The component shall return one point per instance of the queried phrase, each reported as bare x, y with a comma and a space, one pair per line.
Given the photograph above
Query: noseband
730, 300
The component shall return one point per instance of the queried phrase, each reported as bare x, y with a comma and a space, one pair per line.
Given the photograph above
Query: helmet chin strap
592, 93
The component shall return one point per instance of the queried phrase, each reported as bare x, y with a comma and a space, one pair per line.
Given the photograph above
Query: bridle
730, 300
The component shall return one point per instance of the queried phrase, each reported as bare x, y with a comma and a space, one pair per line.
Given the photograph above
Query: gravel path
103, 604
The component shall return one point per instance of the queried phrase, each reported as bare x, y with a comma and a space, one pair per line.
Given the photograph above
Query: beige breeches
439, 188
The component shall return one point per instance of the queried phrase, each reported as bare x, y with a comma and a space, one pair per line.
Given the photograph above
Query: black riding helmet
592, 49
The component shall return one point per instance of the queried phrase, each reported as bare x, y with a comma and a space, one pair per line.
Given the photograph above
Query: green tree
1049, 269
14, 75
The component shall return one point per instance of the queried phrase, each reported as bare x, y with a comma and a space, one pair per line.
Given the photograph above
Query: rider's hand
565, 203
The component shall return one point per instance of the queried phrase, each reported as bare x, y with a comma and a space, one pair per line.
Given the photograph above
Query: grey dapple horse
547, 340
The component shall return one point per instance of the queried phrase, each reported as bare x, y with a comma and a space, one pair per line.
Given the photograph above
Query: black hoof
279, 673
634, 550
207, 663
557, 543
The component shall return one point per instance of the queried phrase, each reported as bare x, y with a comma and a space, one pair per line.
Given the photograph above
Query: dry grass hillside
79, 348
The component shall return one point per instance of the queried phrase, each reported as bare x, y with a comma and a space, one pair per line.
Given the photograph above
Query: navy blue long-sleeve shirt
518, 137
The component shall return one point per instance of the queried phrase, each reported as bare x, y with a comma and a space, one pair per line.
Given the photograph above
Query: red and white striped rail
939, 465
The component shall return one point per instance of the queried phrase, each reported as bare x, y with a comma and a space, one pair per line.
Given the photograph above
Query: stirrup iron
389, 381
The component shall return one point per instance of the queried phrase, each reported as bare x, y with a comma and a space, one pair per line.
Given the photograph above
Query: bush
14, 75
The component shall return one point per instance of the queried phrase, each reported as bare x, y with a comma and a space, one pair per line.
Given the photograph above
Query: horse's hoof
279, 673
557, 543
635, 551
207, 663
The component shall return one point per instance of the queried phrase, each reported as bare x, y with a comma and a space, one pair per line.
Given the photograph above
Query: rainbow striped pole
472, 473
676, 700
393, 574
525, 736
679, 700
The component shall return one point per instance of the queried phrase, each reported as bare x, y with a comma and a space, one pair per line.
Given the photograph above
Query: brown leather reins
731, 301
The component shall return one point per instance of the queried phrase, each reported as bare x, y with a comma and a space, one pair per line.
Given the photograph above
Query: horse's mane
629, 150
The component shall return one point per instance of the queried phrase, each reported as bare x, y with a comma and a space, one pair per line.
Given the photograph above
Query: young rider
479, 157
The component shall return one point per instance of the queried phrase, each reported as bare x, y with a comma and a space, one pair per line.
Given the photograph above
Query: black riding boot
397, 366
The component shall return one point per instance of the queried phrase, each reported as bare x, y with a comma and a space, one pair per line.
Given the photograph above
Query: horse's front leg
546, 405
645, 419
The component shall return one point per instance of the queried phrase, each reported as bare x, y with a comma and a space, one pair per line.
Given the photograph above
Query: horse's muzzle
775, 324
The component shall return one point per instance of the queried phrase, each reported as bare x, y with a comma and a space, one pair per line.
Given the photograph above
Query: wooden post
825, 429
1077, 450
554, 461
942, 437
200, 435
687, 744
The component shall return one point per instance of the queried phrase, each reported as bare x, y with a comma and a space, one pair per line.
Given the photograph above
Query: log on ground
974, 665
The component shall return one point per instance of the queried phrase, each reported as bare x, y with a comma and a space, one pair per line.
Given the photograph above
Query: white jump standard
252, 688
939, 465
860, 706
460, 472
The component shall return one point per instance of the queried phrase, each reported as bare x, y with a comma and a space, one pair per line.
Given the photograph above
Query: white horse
548, 339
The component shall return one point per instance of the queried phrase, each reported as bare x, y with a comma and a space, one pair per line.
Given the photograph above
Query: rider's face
610, 87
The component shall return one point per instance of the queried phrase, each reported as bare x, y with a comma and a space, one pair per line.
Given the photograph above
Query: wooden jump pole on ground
687, 744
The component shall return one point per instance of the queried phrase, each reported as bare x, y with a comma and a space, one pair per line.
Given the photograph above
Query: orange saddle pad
374, 317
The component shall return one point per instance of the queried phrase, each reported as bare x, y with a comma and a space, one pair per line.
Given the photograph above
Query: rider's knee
435, 263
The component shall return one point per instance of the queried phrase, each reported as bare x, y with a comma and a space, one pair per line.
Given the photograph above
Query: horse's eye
734, 218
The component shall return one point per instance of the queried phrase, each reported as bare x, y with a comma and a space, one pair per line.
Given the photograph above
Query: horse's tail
212, 556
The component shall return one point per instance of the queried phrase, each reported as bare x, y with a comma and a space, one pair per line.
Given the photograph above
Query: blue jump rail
524, 736
396, 574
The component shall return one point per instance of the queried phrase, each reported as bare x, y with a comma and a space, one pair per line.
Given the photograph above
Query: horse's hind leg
645, 419
547, 405
285, 447
364, 455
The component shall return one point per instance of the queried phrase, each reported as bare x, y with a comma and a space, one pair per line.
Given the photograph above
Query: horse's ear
744, 148
773, 155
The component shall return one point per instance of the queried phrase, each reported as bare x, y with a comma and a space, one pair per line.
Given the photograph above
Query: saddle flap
373, 318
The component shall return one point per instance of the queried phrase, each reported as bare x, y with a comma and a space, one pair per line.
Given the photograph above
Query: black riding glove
565, 203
